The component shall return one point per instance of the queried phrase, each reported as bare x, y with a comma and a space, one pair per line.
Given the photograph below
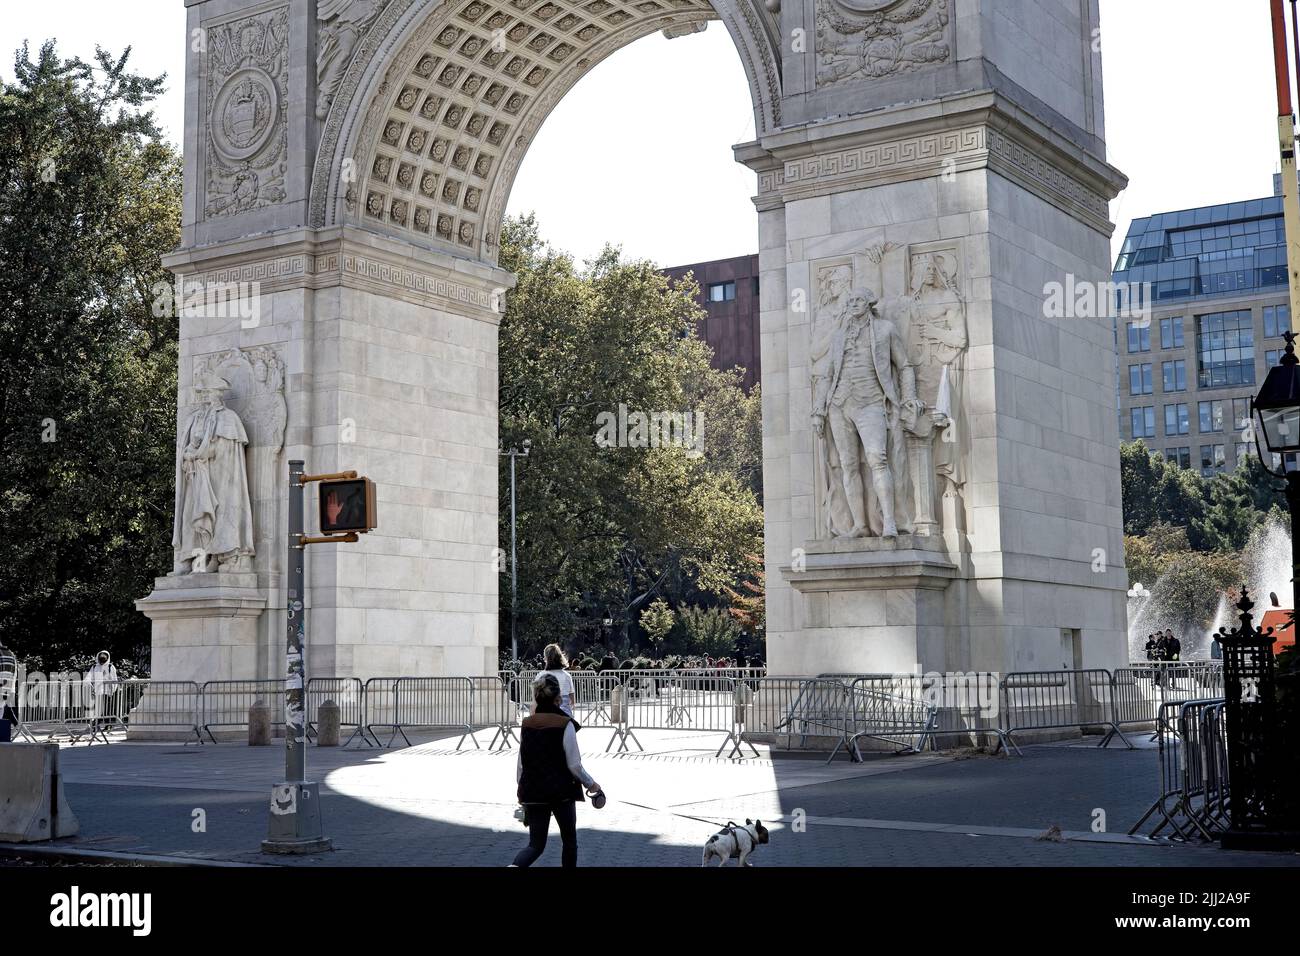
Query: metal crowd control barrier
1193, 771
594, 702
226, 702
151, 704
1141, 688
664, 700
1058, 700
381, 704
432, 703
75, 709
350, 695
820, 708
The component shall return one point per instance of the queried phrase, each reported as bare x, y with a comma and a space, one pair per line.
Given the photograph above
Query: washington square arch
924, 170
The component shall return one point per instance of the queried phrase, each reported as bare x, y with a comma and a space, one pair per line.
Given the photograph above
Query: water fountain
1266, 563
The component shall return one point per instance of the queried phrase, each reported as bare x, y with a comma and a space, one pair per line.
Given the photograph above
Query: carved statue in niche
255, 393
870, 39
214, 515
864, 397
934, 315
247, 121
342, 25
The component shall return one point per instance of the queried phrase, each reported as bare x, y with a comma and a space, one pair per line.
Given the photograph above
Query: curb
86, 855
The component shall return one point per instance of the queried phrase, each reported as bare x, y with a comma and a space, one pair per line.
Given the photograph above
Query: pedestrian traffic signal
347, 505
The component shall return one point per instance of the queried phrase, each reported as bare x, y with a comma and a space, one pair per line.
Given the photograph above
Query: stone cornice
352, 258
979, 130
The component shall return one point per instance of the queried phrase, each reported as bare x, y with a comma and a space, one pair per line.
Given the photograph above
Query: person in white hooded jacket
102, 677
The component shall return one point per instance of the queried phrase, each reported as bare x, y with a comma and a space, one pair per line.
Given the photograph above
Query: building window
1144, 421
1277, 319
1171, 333
1225, 349
1211, 415
722, 292
1176, 419
1272, 357
1242, 449
1139, 379
1240, 413
1174, 375
1182, 457
1211, 459
1139, 336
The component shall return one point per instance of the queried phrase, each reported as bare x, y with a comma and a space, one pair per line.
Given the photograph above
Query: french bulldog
735, 841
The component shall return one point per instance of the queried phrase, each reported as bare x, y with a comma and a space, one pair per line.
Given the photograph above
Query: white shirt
565, 680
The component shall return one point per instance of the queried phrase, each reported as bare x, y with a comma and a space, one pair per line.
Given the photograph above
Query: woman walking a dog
550, 775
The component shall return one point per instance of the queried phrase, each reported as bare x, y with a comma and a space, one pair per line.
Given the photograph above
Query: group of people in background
1163, 646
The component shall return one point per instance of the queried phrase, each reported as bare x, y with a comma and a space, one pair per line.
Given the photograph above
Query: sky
639, 152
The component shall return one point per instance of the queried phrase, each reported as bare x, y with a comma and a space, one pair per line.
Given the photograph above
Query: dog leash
674, 813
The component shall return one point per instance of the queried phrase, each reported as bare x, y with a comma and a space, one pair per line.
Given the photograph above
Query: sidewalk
432, 805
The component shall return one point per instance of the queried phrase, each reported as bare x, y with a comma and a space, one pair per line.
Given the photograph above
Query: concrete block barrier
32, 804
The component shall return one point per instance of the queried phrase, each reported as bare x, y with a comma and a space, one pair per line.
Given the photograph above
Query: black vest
546, 777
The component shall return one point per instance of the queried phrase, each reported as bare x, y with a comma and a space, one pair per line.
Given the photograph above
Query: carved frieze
341, 24
916, 293
246, 67
875, 39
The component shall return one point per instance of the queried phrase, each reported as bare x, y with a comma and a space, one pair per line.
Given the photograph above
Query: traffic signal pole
294, 825
295, 819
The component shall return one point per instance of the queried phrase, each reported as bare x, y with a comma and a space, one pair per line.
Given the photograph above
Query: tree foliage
603, 531
89, 200
709, 631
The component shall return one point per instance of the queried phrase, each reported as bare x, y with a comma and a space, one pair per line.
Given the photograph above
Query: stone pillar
957, 171
389, 369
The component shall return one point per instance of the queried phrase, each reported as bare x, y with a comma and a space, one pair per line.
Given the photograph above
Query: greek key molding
882, 157
928, 154
1048, 177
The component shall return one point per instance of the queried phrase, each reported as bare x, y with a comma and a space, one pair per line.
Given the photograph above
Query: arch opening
426, 145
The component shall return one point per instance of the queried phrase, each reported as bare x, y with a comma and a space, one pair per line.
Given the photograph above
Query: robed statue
214, 517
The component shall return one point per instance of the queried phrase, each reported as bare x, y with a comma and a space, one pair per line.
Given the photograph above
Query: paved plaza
431, 805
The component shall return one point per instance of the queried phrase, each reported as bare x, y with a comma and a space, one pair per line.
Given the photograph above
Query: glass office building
1219, 305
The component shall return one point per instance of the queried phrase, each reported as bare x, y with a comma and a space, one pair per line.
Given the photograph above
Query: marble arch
346, 167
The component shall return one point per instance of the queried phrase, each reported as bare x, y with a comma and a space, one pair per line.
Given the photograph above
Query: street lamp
1276, 410
513, 453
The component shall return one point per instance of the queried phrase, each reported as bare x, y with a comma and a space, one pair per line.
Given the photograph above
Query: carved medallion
246, 76
245, 110
875, 39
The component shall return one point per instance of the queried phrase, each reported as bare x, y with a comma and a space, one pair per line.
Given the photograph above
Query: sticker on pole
284, 799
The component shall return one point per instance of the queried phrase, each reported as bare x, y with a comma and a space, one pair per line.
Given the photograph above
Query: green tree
89, 200
1158, 491
709, 630
1190, 586
657, 621
1147, 556
603, 530
1229, 514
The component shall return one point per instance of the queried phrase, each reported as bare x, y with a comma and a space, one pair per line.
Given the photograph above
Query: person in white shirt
556, 663
103, 681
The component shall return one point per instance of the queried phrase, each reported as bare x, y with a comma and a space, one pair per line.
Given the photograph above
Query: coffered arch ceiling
439, 107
